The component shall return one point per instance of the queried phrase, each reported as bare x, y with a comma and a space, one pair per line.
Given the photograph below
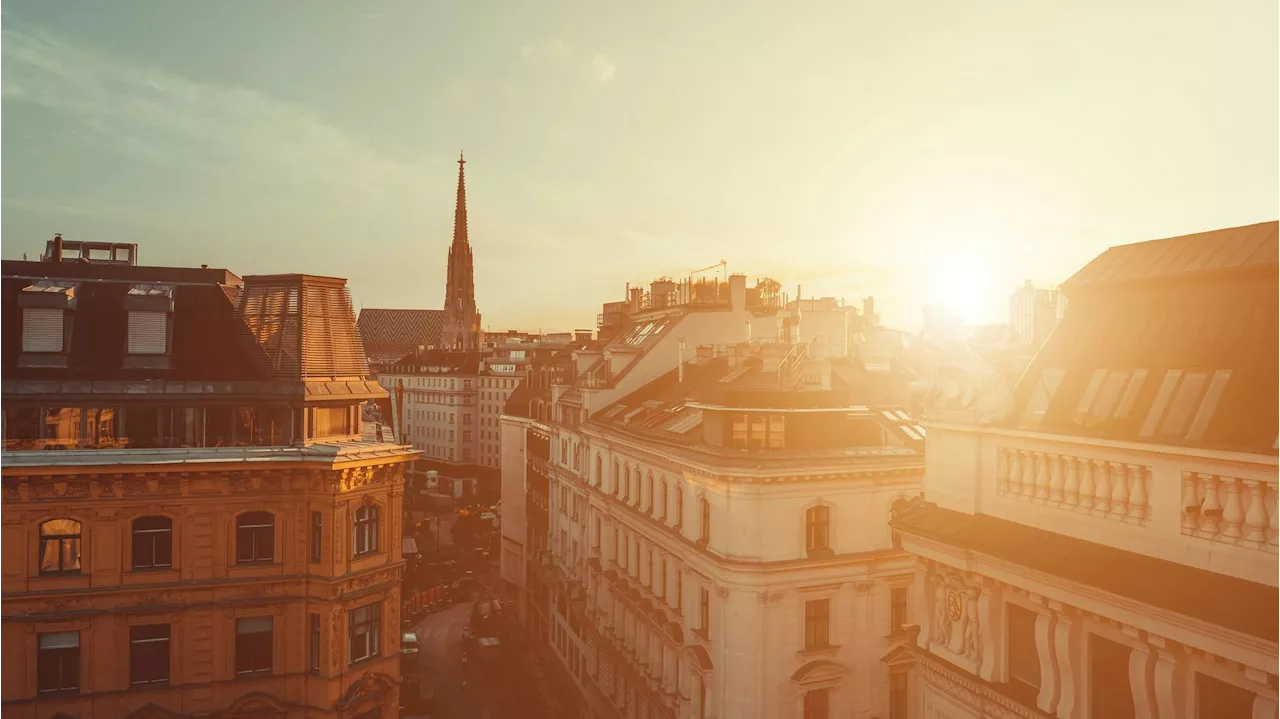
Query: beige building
1102, 543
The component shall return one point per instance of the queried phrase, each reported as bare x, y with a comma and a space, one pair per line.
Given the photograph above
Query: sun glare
962, 284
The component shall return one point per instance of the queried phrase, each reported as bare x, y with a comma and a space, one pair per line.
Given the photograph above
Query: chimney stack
57, 247
681, 363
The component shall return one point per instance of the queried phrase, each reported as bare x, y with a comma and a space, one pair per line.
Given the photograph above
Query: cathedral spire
461, 326
460, 209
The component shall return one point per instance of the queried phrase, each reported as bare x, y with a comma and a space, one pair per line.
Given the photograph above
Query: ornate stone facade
204, 590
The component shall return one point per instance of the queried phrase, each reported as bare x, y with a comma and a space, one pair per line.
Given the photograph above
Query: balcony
1208, 509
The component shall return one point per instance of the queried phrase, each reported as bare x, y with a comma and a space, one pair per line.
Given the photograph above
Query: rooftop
1188, 362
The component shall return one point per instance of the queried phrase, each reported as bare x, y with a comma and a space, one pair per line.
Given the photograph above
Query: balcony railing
1230, 510
1115, 490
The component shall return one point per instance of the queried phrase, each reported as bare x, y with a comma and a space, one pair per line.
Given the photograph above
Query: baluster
1232, 512
1255, 520
1211, 508
1002, 471
1015, 473
1190, 504
1055, 479
1102, 495
1087, 487
1070, 483
1042, 478
1137, 493
1029, 462
1119, 491
1272, 520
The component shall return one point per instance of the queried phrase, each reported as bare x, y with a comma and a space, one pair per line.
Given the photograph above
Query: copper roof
1234, 248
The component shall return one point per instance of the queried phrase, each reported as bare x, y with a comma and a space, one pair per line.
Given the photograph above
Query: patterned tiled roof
391, 334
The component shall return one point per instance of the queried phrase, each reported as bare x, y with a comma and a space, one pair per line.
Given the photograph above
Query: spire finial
461, 160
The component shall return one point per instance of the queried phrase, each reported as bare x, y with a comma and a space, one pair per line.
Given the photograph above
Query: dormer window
46, 323
150, 308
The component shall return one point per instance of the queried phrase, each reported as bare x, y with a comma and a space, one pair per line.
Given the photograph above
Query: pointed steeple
460, 209
461, 329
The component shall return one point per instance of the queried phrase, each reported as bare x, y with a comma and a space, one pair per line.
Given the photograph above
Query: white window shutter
148, 332
41, 329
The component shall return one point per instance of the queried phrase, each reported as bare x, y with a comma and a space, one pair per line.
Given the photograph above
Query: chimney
681, 363
748, 330
737, 292
57, 247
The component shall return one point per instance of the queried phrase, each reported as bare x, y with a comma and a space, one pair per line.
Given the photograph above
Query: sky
933, 152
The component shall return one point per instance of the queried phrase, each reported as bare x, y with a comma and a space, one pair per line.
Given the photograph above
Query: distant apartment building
193, 525
705, 475
1034, 312
1106, 544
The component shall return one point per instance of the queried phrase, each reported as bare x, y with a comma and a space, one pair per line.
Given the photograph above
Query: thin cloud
603, 69
546, 52
157, 116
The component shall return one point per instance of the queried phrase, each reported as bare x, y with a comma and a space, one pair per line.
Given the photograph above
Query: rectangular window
1041, 397
42, 329
1209, 404
149, 654
704, 612
1110, 694
665, 598
317, 536
897, 609
313, 644
58, 662
362, 625
253, 645
331, 422
817, 624
679, 591
152, 542
1161, 401
777, 433
817, 704
740, 431
1024, 660
148, 333
1188, 397
364, 530
758, 432
1216, 698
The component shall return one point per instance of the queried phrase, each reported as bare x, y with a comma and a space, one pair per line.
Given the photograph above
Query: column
1045, 640
1070, 653
1169, 679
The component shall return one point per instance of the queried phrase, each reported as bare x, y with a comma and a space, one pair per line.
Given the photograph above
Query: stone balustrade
1118, 491
1230, 510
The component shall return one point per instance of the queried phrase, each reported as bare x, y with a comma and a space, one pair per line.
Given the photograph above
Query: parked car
409, 643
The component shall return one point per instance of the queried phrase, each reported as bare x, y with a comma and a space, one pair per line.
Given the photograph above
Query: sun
960, 283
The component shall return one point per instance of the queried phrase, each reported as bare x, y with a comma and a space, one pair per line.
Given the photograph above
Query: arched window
152, 543
255, 537
365, 530
626, 488
599, 470
817, 527
664, 500
60, 546
705, 508
649, 492
617, 473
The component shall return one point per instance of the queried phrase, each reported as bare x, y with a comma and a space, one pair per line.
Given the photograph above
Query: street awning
408, 545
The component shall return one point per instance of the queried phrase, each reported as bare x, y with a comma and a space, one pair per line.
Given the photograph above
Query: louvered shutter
41, 329
148, 332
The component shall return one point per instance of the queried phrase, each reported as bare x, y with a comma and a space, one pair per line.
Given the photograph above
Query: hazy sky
913, 151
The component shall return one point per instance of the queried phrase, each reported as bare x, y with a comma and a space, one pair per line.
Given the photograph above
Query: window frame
155, 535
365, 623
364, 530
817, 517
260, 534
147, 645
63, 655
815, 708
75, 540
245, 650
817, 624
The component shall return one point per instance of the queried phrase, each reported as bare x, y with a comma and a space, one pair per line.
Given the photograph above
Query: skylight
1042, 396
1209, 404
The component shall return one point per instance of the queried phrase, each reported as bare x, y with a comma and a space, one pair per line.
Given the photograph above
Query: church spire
461, 326
460, 209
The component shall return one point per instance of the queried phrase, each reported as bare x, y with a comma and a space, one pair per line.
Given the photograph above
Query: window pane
1209, 404
1090, 392
1131, 394
42, 329
1041, 397
62, 427
148, 332
1175, 421
142, 427
59, 640
1161, 401
60, 528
